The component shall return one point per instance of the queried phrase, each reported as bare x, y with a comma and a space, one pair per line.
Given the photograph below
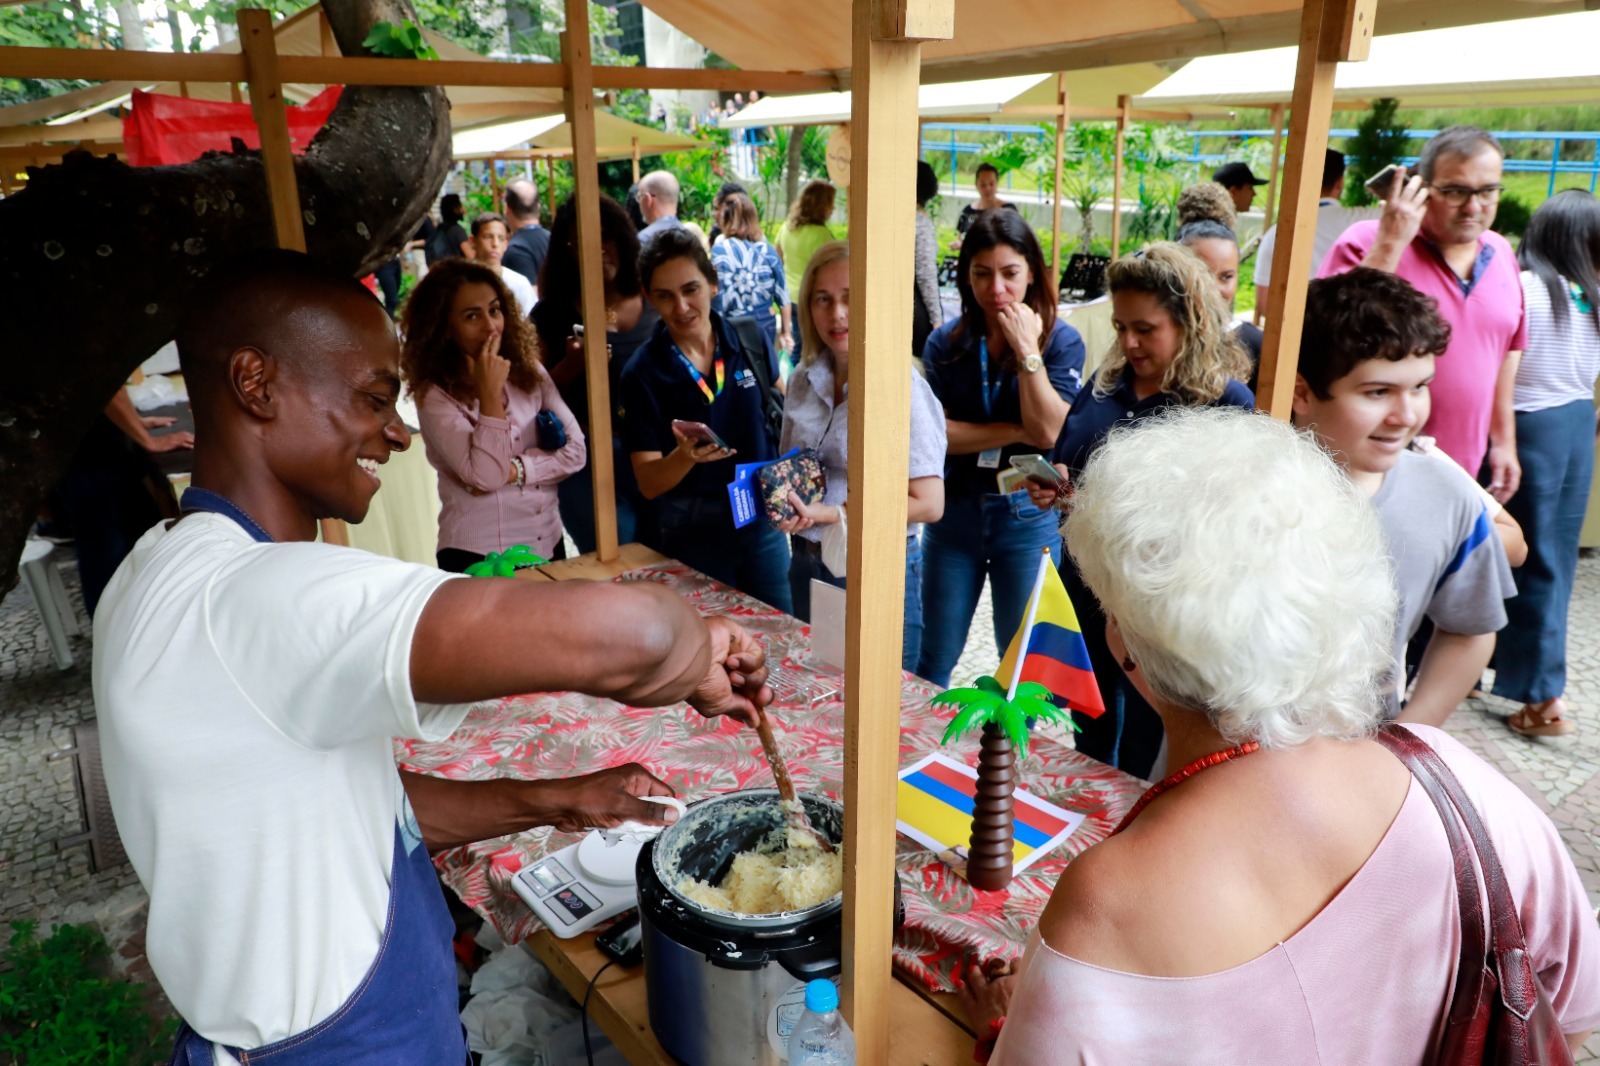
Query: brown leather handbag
1498, 1014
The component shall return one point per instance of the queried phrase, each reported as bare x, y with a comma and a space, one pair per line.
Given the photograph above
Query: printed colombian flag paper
1056, 655
934, 808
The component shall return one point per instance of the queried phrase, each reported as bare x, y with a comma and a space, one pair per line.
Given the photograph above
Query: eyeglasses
1458, 195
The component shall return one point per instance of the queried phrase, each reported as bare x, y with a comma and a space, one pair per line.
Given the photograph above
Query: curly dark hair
672, 243
429, 357
1365, 314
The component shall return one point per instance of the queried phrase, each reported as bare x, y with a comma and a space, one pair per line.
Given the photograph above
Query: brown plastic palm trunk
990, 853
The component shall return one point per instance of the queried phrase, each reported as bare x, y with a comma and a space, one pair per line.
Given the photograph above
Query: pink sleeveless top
1366, 981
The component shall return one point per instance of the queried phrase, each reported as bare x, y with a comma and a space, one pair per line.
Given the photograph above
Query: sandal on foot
1533, 720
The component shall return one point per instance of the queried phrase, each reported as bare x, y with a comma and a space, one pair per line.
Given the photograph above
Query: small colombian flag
1051, 647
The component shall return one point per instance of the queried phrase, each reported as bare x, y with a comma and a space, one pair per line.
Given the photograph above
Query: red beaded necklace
1205, 762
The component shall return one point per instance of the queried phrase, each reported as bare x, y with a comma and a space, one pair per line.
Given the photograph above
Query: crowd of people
1256, 599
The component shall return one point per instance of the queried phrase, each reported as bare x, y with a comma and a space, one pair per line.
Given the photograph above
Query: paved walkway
39, 804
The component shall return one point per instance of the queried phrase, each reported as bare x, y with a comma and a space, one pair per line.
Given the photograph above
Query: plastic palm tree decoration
1003, 724
1047, 660
504, 564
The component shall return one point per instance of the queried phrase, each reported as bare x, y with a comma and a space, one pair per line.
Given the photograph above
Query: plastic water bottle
821, 1037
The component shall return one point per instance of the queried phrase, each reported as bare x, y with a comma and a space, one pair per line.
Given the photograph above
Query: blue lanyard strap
197, 499
989, 396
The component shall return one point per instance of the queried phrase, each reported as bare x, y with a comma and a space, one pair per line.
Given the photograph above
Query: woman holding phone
815, 416
493, 424
699, 369
1175, 348
1006, 371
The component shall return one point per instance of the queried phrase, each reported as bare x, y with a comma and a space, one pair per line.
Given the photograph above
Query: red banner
166, 130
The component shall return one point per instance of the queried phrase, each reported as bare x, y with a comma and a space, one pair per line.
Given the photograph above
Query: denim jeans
805, 564
1556, 448
993, 536
635, 514
698, 531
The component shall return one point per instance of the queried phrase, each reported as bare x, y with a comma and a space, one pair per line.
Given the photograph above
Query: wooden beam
266, 104
330, 44
550, 184
104, 129
1351, 40
1063, 113
1322, 21
884, 135
636, 160
146, 67
1277, 165
575, 54
1117, 153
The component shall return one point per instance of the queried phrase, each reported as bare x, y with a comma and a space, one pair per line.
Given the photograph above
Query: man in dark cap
1240, 182
250, 683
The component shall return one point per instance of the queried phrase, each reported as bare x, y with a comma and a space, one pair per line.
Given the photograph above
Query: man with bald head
530, 242
658, 202
249, 682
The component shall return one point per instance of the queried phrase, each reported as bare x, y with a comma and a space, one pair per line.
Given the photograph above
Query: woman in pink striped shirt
474, 370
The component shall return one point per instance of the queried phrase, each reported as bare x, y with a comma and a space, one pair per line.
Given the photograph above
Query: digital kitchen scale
585, 883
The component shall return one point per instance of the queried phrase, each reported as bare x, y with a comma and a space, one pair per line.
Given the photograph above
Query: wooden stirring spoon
793, 808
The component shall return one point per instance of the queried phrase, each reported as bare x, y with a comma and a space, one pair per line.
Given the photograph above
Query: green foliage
1379, 141
1512, 217
57, 1007
404, 41
986, 704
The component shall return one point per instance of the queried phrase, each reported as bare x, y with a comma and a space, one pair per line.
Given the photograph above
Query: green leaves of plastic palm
504, 564
986, 704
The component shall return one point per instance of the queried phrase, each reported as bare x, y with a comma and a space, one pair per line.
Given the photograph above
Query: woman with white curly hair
1289, 896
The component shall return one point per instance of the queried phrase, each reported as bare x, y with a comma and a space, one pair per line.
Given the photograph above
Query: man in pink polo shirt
1434, 233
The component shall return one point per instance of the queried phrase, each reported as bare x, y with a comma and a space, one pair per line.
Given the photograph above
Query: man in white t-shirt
1332, 220
490, 239
249, 683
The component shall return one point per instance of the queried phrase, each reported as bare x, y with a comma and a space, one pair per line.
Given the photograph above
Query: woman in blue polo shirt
696, 367
1175, 347
1006, 372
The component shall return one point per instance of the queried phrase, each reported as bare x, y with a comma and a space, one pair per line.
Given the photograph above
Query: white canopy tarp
1092, 94
551, 135
1526, 62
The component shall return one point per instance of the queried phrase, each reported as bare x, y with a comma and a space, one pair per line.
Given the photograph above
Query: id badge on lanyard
989, 458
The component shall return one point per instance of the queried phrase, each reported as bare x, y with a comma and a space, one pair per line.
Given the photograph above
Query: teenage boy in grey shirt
1366, 359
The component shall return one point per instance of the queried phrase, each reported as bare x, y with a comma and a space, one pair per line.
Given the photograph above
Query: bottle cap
821, 996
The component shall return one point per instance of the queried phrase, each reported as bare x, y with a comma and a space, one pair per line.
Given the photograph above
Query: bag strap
754, 343
1471, 966
1519, 990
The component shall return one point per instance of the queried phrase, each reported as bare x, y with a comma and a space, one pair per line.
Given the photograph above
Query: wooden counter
925, 1030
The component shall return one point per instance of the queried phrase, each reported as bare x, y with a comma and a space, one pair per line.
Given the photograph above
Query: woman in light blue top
750, 274
815, 416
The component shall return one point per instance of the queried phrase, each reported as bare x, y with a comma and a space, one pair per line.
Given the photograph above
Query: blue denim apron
405, 1009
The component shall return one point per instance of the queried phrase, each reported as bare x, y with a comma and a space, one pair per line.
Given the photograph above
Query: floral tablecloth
561, 734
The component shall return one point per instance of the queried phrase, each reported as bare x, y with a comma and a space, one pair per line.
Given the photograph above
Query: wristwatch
1033, 364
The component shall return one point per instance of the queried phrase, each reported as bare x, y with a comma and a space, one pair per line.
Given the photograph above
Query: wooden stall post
1124, 103
277, 160
636, 160
886, 63
579, 99
1277, 165
1063, 104
1330, 31
330, 44
550, 188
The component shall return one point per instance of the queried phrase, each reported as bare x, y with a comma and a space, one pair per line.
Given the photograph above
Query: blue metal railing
1555, 167
954, 146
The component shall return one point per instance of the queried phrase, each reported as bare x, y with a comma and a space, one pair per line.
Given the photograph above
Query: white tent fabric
551, 135
1548, 60
1093, 94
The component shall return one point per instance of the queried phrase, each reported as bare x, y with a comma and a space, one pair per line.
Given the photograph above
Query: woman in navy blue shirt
1006, 372
1174, 347
696, 368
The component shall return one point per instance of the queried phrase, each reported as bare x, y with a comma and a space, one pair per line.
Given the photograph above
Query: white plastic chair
44, 581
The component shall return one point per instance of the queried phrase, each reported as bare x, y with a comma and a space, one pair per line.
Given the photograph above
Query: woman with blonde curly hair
493, 424
1174, 349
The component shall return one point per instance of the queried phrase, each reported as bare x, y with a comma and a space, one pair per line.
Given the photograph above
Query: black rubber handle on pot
807, 964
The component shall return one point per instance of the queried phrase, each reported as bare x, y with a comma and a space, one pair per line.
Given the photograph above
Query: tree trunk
791, 172
990, 852
103, 256
132, 28
175, 29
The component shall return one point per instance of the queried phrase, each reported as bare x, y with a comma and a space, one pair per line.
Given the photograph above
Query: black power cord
588, 1052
